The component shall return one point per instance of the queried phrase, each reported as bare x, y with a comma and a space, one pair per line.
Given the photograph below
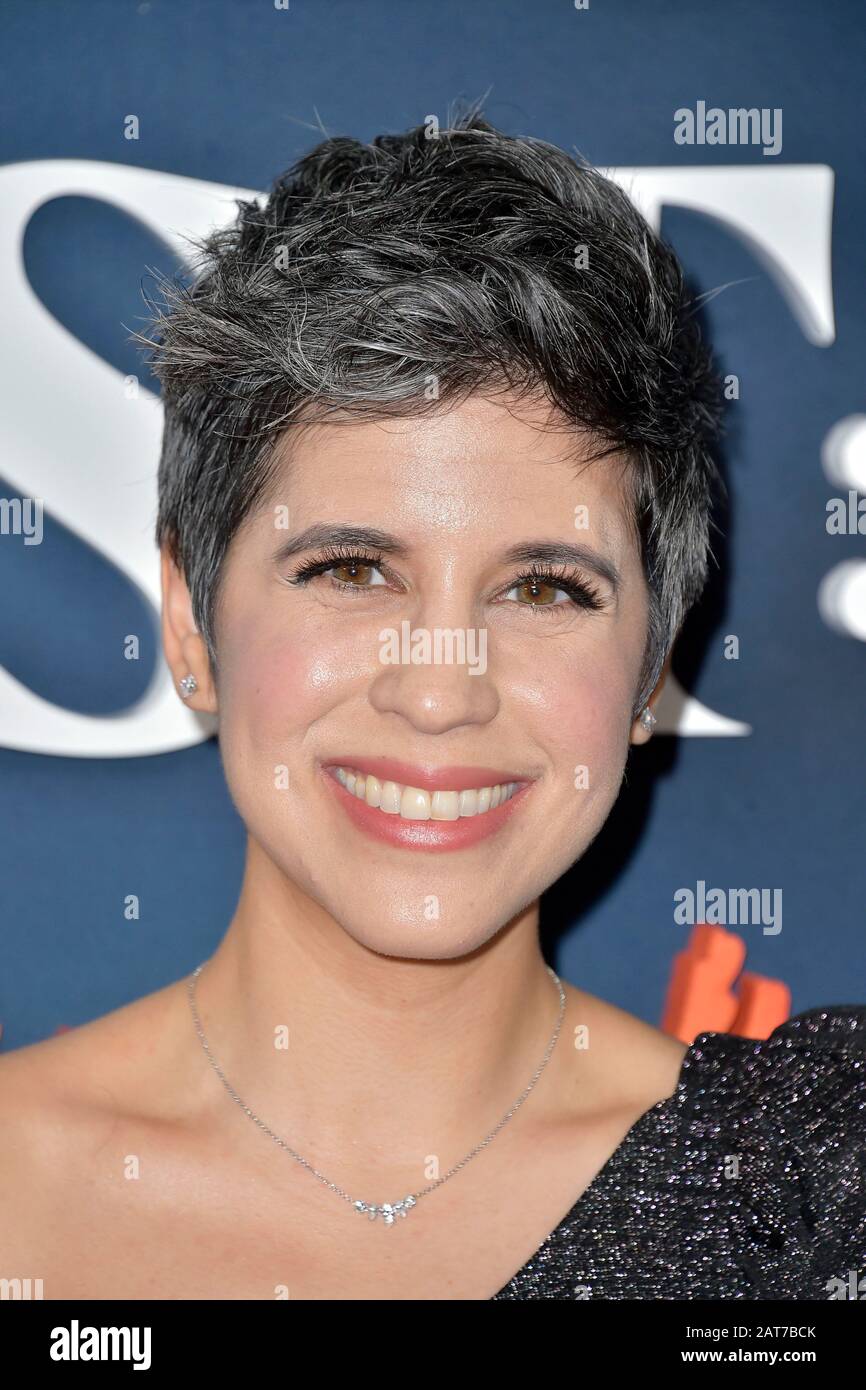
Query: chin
406, 927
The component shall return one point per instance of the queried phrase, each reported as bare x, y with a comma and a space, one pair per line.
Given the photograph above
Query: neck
381, 1058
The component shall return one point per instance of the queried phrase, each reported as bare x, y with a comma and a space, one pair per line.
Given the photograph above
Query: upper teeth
413, 803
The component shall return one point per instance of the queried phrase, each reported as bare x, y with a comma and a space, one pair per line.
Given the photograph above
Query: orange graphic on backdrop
701, 996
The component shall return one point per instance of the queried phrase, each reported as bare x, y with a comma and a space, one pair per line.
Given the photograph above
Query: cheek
581, 714
278, 678
273, 686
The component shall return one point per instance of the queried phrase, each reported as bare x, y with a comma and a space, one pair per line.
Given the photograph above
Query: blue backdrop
231, 93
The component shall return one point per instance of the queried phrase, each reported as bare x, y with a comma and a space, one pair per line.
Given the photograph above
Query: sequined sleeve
795, 1219
749, 1182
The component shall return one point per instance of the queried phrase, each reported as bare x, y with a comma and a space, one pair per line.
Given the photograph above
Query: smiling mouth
416, 804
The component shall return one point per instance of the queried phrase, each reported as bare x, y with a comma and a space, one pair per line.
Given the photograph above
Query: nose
436, 678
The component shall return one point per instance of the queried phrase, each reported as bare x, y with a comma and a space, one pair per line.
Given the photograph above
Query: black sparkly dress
749, 1182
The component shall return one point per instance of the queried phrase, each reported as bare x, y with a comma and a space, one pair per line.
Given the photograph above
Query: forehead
486, 465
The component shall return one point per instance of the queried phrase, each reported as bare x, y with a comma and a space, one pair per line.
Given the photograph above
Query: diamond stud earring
648, 719
188, 686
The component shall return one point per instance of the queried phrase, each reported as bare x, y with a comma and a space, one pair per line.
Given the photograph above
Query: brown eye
540, 593
352, 574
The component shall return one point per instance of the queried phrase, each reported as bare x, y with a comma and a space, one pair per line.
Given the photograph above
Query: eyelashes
582, 593
336, 557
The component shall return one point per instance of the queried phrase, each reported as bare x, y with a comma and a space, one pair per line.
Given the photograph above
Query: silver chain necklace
387, 1210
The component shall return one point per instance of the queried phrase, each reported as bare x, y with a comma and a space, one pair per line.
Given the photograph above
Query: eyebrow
526, 553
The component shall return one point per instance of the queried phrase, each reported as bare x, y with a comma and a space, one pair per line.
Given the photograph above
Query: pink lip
430, 835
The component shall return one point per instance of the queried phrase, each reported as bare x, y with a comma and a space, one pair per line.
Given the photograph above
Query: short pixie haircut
478, 261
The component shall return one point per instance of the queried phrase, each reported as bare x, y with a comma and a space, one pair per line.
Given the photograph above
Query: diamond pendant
388, 1210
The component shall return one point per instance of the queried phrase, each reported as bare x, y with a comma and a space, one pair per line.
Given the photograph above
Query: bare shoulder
72, 1068
61, 1097
633, 1063
74, 1110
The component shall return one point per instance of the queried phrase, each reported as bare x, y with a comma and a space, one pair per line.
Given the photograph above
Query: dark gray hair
450, 256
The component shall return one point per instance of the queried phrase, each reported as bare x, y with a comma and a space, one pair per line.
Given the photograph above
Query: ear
638, 733
184, 647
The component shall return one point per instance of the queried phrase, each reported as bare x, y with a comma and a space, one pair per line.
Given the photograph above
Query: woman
434, 503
